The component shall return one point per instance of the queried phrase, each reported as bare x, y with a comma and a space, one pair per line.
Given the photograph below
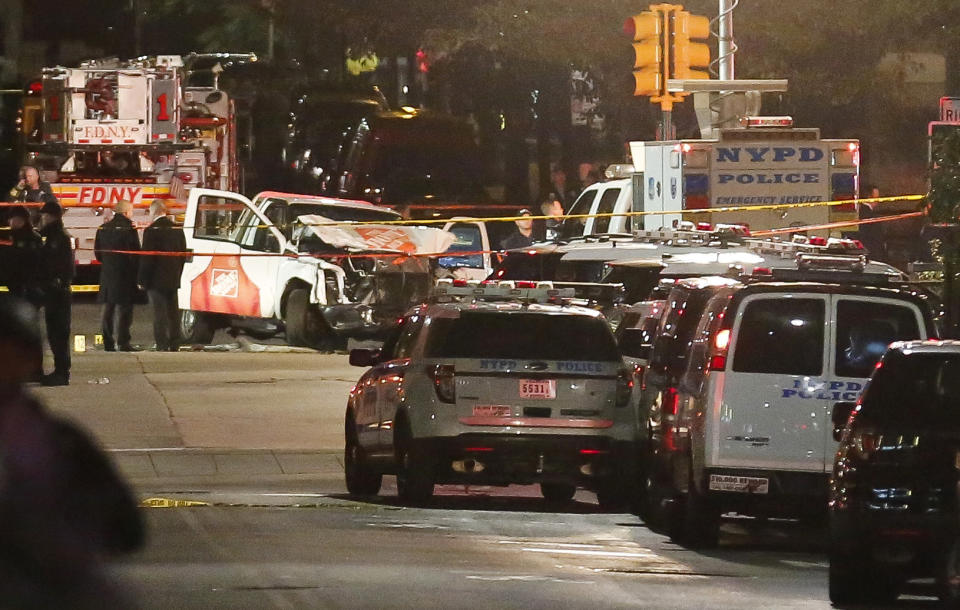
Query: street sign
950, 109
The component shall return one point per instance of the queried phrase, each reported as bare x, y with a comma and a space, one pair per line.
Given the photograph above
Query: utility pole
137, 27
727, 48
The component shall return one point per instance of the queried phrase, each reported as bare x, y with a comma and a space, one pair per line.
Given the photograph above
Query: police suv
493, 383
747, 426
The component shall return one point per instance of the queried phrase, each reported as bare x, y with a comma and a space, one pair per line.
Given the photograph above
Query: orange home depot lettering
100, 195
387, 239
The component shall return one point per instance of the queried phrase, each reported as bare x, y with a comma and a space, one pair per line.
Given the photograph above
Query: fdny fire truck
111, 130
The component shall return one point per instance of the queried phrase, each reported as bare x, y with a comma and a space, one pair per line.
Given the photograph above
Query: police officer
57, 260
22, 260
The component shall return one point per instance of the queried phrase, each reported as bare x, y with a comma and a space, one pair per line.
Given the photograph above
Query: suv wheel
948, 580
361, 480
854, 580
196, 327
305, 326
415, 469
557, 492
613, 498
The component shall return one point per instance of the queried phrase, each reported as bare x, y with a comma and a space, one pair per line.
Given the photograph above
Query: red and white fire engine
111, 130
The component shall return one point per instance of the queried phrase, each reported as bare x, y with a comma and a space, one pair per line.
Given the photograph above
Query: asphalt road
257, 437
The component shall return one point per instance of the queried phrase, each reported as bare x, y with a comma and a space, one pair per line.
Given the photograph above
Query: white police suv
494, 383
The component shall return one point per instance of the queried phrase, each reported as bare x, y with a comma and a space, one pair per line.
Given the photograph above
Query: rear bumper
788, 494
497, 459
913, 543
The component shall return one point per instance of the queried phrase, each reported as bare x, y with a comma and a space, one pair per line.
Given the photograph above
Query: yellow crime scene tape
170, 503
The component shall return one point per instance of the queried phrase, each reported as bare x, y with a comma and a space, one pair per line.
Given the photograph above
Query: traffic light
689, 56
647, 31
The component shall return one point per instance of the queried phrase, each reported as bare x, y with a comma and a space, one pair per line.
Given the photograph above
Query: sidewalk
211, 415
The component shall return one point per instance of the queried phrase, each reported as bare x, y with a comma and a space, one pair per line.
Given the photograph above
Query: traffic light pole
727, 48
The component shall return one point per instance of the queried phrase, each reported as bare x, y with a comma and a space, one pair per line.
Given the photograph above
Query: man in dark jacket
63, 506
57, 259
118, 276
22, 257
160, 275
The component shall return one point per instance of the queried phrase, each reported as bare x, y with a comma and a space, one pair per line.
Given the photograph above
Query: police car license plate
491, 411
538, 388
747, 485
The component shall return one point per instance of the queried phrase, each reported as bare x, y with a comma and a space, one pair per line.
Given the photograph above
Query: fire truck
112, 130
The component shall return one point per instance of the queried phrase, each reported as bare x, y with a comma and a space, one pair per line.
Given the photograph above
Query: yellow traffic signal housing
647, 31
689, 57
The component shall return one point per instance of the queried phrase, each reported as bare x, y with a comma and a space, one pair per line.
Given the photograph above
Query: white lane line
530, 578
592, 553
567, 544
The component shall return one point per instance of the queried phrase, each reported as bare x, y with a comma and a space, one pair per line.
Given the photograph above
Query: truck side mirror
365, 357
841, 413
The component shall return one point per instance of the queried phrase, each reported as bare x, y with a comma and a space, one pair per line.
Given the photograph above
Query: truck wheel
415, 469
361, 480
557, 493
196, 326
305, 325
701, 528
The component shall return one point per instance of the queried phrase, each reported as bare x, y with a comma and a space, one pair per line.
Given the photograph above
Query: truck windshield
527, 336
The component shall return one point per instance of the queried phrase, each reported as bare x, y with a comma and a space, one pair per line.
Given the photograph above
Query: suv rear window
914, 386
527, 336
781, 336
865, 329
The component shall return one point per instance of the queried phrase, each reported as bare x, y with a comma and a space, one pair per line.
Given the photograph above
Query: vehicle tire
305, 326
196, 326
948, 578
260, 335
701, 528
557, 493
415, 469
854, 580
361, 480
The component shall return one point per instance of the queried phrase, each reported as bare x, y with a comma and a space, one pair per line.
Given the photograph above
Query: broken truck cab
299, 264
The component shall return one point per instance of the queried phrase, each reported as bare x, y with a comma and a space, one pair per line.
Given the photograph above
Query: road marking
528, 578
794, 563
555, 544
586, 553
168, 503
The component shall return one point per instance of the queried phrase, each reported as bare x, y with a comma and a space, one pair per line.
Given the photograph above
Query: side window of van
781, 336
865, 329
608, 200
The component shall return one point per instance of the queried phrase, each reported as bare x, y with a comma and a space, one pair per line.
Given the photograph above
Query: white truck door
472, 241
862, 330
772, 403
220, 278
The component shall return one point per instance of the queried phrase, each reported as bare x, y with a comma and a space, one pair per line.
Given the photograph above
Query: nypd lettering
828, 390
563, 366
768, 154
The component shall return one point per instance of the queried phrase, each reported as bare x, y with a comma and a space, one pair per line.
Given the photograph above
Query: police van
494, 384
751, 428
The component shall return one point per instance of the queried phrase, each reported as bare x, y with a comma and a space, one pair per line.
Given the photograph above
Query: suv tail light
669, 407
864, 443
443, 382
624, 388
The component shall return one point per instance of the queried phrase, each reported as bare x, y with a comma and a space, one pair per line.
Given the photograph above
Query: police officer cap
17, 323
19, 210
51, 207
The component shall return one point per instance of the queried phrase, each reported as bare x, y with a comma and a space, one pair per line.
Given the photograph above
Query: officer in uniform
30, 189
57, 260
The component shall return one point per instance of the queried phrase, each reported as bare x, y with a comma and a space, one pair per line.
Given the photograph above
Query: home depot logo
226, 283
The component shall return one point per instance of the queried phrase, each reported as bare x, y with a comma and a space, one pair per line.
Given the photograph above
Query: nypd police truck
765, 162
